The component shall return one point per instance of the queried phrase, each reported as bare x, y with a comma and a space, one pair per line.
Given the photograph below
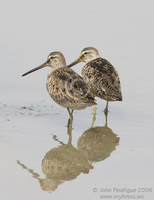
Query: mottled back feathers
103, 79
68, 89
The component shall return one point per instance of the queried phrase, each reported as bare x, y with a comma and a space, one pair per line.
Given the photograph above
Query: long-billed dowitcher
101, 76
64, 85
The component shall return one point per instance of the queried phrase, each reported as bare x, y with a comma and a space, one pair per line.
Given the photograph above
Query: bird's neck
92, 58
55, 68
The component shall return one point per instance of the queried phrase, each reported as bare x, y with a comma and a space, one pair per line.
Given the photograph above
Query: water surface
41, 158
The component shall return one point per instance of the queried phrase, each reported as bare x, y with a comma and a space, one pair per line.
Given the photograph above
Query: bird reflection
60, 164
97, 143
65, 163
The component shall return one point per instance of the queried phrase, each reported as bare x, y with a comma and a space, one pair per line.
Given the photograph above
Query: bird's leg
106, 109
94, 116
106, 119
70, 121
94, 107
70, 113
69, 125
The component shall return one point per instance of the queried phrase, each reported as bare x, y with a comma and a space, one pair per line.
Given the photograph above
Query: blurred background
122, 31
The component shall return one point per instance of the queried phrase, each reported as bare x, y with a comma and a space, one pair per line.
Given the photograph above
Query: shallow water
39, 159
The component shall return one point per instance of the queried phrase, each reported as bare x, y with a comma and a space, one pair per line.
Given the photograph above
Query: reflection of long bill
36, 68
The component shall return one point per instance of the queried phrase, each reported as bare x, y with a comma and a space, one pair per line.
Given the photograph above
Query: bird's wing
103, 77
69, 86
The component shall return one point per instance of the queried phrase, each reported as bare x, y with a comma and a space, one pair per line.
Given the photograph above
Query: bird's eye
51, 57
85, 53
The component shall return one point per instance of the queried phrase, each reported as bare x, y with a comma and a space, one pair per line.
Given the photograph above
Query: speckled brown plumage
103, 79
68, 89
100, 75
64, 85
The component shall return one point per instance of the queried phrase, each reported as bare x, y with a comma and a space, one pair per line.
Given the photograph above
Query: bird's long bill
35, 69
75, 62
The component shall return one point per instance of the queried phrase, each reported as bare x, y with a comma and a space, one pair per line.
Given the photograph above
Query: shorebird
64, 85
100, 75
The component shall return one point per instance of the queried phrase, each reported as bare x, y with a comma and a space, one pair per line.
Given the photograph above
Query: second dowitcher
100, 75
